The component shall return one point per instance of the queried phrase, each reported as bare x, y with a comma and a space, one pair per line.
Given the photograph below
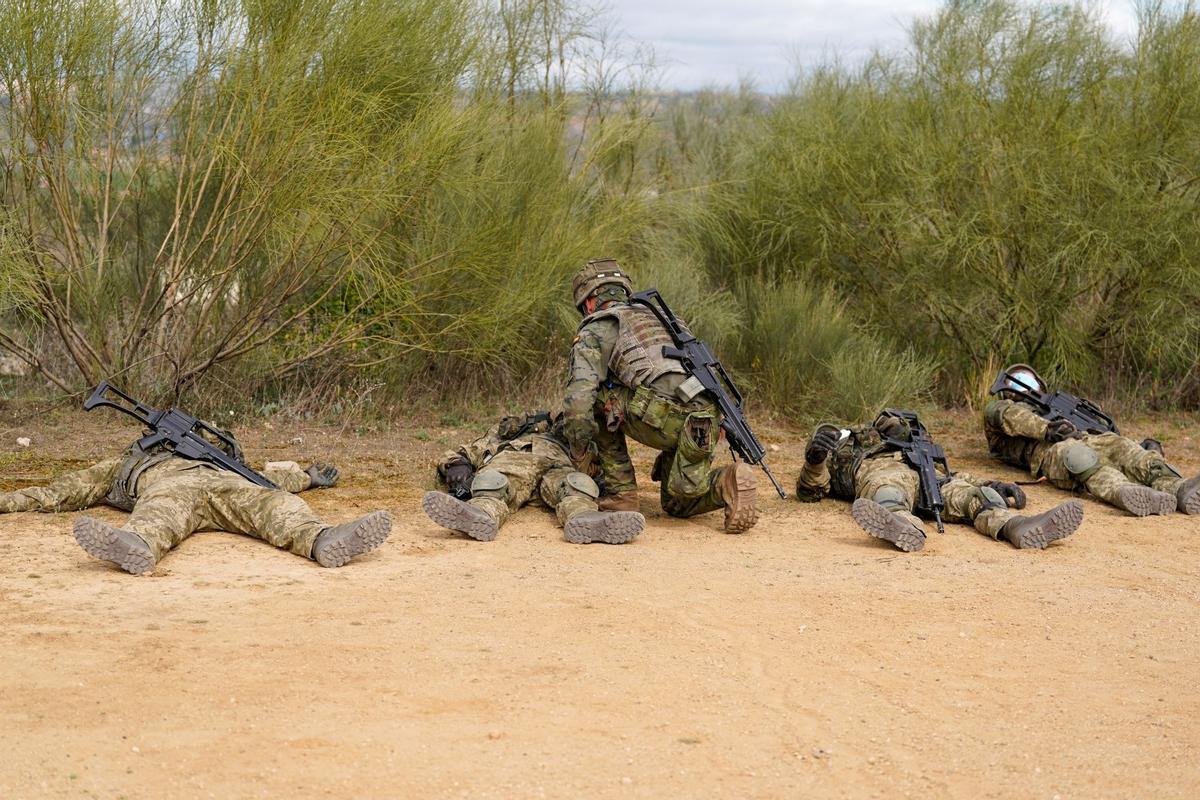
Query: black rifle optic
1083, 414
700, 363
924, 456
181, 433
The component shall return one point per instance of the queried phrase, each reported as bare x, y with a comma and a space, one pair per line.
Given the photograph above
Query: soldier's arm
71, 492
474, 452
1015, 419
287, 475
814, 482
590, 355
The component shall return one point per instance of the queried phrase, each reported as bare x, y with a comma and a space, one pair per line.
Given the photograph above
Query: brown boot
738, 486
1040, 530
1188, 496
621, 501
109, 543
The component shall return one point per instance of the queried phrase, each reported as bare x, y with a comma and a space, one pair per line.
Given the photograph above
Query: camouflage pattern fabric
178, 497
537, 467
886, 470
598, 411
1016, 435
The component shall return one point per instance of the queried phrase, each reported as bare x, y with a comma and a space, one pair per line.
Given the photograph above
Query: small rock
494, 735
24, 441
627, 780
136, 749
774, 448
296, 440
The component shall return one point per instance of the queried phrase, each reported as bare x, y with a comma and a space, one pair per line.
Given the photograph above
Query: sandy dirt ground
802, 659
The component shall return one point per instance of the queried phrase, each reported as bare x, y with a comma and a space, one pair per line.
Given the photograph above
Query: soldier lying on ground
1094, 459
858, 464
518, 461
621, 384
171, 497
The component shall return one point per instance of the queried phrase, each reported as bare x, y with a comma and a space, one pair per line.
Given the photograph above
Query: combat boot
109, 543
611, 527
456, 515
337, 545
621, 501
1142, 501
881, 523
1041, 529
1188, 496
738, 486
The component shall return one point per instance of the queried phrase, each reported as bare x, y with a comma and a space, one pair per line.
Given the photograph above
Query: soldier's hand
322, 475
821, 445
1153, 445
458, 478
1014, 495
1060, 429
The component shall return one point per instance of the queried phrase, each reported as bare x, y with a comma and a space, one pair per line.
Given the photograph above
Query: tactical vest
861, 444
637, 358
123, 493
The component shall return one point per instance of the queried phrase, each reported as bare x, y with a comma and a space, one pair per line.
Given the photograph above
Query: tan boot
738, 486
1042, 529
621, 501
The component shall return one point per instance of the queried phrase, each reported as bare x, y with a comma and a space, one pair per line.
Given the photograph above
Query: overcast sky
701, 42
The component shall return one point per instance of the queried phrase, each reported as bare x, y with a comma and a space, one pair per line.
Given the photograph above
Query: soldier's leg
887, 489
1147, 467
616, 467
573, 496
505, 484
990, 515
1072, 463
273, 515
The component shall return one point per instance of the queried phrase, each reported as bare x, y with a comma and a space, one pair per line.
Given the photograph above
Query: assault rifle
1083, 414
924, 456
181, 433
701, 364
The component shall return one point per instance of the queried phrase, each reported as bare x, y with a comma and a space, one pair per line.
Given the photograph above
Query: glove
1153, 445
1014, 496
1060, 429
458, 478
821, 445
322, 476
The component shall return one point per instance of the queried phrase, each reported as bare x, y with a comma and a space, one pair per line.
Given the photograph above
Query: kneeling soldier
1074, 446
171, 497
518, 460
860, 464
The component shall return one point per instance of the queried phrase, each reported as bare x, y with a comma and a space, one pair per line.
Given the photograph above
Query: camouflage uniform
862, 466
171, 497
1103, 464
631, 390
536, 466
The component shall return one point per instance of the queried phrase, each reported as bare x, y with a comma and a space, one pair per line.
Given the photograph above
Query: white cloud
716, 41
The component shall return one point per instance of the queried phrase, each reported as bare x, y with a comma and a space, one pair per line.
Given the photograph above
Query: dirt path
801, 659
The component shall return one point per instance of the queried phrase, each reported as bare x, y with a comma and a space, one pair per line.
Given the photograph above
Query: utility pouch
689, 389
614, 412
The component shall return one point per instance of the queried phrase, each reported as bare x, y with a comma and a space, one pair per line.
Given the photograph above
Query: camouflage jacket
541, 437
1014, 431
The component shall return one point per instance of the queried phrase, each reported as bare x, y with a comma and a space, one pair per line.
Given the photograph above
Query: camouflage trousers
686, 438
887, 479
1118, 462
542, 473
176, 499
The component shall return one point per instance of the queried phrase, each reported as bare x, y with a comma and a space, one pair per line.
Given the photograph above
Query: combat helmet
596, 273
1018, 378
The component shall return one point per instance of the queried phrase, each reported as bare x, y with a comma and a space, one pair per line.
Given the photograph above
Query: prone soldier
863, 463
1073, 445
518, 461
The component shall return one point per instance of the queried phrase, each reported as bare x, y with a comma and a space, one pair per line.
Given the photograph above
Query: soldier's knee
891, 498
490, 483
1081, 462
990, 498
579, 485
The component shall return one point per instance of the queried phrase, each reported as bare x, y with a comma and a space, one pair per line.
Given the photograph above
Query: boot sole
618, 527
1142, 501
370, 532
1190, 504
459, 516
105, 542
742, 514
883, 524
1062, 522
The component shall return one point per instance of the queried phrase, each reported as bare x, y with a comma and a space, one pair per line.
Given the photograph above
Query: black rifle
1083, 414
924, 456
181, 433
701, 364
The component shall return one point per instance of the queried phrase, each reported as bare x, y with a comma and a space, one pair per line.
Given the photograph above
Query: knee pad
1081, 461
490, 483
890, 498
991, 498
576, 483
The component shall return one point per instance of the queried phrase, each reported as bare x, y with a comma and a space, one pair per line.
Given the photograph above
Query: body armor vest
123, 493
637, 358
844, 461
